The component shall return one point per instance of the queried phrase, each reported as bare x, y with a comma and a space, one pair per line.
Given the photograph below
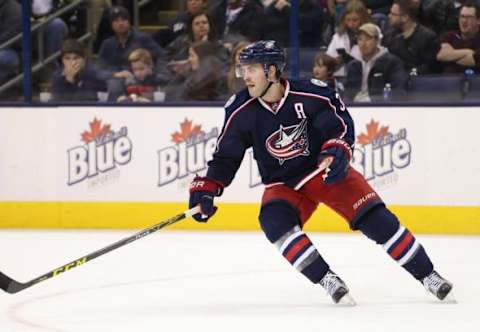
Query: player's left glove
202, 192
342, 154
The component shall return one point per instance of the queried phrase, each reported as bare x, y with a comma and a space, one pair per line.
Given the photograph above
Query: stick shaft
11, 286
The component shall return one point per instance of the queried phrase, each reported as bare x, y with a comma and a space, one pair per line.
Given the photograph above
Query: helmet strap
266, 89
266, 68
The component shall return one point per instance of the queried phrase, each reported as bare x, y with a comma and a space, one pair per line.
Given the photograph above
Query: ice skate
337, 289
438, 286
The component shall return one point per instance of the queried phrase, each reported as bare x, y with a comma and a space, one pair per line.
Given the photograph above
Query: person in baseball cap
371, 30
374, 70
116, 12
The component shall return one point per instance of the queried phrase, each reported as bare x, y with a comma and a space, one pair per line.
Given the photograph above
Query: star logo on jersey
288, 142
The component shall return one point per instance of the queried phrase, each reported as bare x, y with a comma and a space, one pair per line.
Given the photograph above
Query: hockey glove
202, 192
342, 154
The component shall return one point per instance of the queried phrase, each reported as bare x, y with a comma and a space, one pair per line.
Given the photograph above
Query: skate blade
450, 299
347, 300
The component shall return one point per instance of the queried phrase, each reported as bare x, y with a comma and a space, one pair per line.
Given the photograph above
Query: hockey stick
11, 286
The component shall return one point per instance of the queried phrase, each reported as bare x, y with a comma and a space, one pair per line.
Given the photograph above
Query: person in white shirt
374, 70
343, 45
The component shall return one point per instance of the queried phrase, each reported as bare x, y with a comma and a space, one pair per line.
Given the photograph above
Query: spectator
104, 29
461, 49
204, 80
179, 24
368, 75
77, 80
10, 26
343, 46
416, 45
324, 68
199, 27
114, 51
141, 85
438, 15
234, 83
237, 20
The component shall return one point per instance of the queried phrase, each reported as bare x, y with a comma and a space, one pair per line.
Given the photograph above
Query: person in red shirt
460, 50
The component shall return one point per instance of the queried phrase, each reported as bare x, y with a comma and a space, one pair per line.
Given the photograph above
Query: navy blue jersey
286, 138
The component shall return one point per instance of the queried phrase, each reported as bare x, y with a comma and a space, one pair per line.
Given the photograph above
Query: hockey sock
299, 251
383, 227
281, 225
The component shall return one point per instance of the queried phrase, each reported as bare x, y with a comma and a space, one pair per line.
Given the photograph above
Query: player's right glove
202, 192
342, 154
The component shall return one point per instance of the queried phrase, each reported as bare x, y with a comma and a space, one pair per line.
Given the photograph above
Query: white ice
199, 281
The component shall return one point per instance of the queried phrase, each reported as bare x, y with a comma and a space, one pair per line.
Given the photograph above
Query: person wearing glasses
416, 45
460, 50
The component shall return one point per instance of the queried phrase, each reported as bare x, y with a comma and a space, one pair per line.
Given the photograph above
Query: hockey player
293, 128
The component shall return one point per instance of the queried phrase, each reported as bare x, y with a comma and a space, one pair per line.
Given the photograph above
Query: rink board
244, 217
72, 167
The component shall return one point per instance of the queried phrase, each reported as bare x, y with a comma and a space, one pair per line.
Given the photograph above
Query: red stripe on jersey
296, 248
402, 245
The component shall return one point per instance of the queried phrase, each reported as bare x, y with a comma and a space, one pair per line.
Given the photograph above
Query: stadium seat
435, 88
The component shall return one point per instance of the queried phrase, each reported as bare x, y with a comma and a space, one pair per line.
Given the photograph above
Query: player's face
200, 27
141, 70
367, 45
254, 78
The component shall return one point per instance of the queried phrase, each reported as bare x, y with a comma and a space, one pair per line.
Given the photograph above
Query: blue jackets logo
379, 153
103, 150
193, 148
288, 142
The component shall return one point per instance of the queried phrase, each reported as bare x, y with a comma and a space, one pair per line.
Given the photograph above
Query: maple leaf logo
373, 133
187, 130
96, 130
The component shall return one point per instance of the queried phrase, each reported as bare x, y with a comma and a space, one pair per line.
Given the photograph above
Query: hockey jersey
286, 137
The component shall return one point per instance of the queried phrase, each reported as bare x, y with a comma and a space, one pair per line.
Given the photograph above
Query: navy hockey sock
383, 227
279, 221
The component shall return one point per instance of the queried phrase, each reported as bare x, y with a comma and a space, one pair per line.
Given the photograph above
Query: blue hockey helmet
265, 52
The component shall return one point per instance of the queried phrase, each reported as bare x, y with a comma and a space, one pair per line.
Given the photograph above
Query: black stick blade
11, 286
5, 282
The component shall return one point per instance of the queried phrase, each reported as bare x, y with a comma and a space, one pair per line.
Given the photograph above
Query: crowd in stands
365, 49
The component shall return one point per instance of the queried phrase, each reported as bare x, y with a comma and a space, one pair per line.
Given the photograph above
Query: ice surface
194, 282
